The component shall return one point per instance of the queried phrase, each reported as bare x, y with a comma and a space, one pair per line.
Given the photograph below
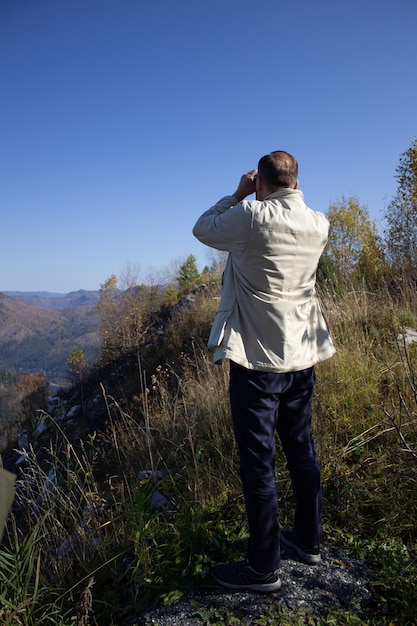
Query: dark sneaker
307, 554
242, 576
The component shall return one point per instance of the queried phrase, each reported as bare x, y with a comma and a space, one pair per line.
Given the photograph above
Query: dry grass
88, 506
370, 478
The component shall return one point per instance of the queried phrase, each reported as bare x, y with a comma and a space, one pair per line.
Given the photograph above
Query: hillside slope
35, 340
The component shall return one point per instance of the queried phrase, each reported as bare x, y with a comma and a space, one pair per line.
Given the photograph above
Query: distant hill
56, 301
38, 338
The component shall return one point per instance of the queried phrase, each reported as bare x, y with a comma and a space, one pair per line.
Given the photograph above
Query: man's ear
259, 188
296, 185
259, 182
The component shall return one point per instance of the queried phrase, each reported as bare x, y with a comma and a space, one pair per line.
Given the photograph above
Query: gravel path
337, 582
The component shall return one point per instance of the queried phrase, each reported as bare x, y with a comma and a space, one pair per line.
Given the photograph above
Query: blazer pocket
303, 311
218, 328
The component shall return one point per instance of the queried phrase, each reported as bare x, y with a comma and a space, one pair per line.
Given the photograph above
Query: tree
108, 311
188, 274
401, 217
354, 244
170, 295
77, 365
328, 274
125, 315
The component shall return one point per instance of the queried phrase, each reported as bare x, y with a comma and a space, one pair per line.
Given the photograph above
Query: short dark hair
278, 169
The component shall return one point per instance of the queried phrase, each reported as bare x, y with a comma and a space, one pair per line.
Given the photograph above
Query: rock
408, 336
40, 429
73, 411
23, 440
337, 582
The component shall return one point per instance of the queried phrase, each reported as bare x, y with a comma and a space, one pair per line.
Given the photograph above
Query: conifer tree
401, 217
188, 275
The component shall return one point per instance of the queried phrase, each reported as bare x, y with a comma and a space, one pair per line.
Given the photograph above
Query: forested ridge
38, 340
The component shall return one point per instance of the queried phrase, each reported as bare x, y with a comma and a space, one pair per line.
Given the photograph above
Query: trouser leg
294, 430
254, 412
262, 402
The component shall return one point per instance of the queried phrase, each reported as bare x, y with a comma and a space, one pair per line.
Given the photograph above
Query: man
270, 327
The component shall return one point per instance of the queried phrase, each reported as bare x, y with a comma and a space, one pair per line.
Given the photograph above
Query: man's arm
224, 226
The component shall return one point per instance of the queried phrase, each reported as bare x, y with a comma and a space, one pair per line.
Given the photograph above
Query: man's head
277, 169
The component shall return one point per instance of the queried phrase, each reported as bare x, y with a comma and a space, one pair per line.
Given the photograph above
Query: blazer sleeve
224, 226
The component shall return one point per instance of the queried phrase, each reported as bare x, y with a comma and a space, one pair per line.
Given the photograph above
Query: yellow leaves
354, 244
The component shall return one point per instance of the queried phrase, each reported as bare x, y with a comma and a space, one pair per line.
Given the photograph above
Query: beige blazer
269, 316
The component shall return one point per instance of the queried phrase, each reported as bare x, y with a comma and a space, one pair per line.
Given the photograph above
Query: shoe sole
309, 559
262, 588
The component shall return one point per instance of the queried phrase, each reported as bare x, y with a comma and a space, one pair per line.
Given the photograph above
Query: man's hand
246, 186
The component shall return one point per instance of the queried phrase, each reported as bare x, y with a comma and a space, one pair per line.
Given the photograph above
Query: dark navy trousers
263, 403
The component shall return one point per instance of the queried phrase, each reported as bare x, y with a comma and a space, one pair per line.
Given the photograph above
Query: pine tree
188, 275
401, 217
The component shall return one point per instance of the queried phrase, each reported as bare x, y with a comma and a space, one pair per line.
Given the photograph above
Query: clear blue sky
123, 120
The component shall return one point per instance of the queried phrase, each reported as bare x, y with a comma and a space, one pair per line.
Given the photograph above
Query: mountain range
50, 300
38, 331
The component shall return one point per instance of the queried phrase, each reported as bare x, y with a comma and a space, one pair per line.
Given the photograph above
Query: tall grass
363, 460
111, 522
